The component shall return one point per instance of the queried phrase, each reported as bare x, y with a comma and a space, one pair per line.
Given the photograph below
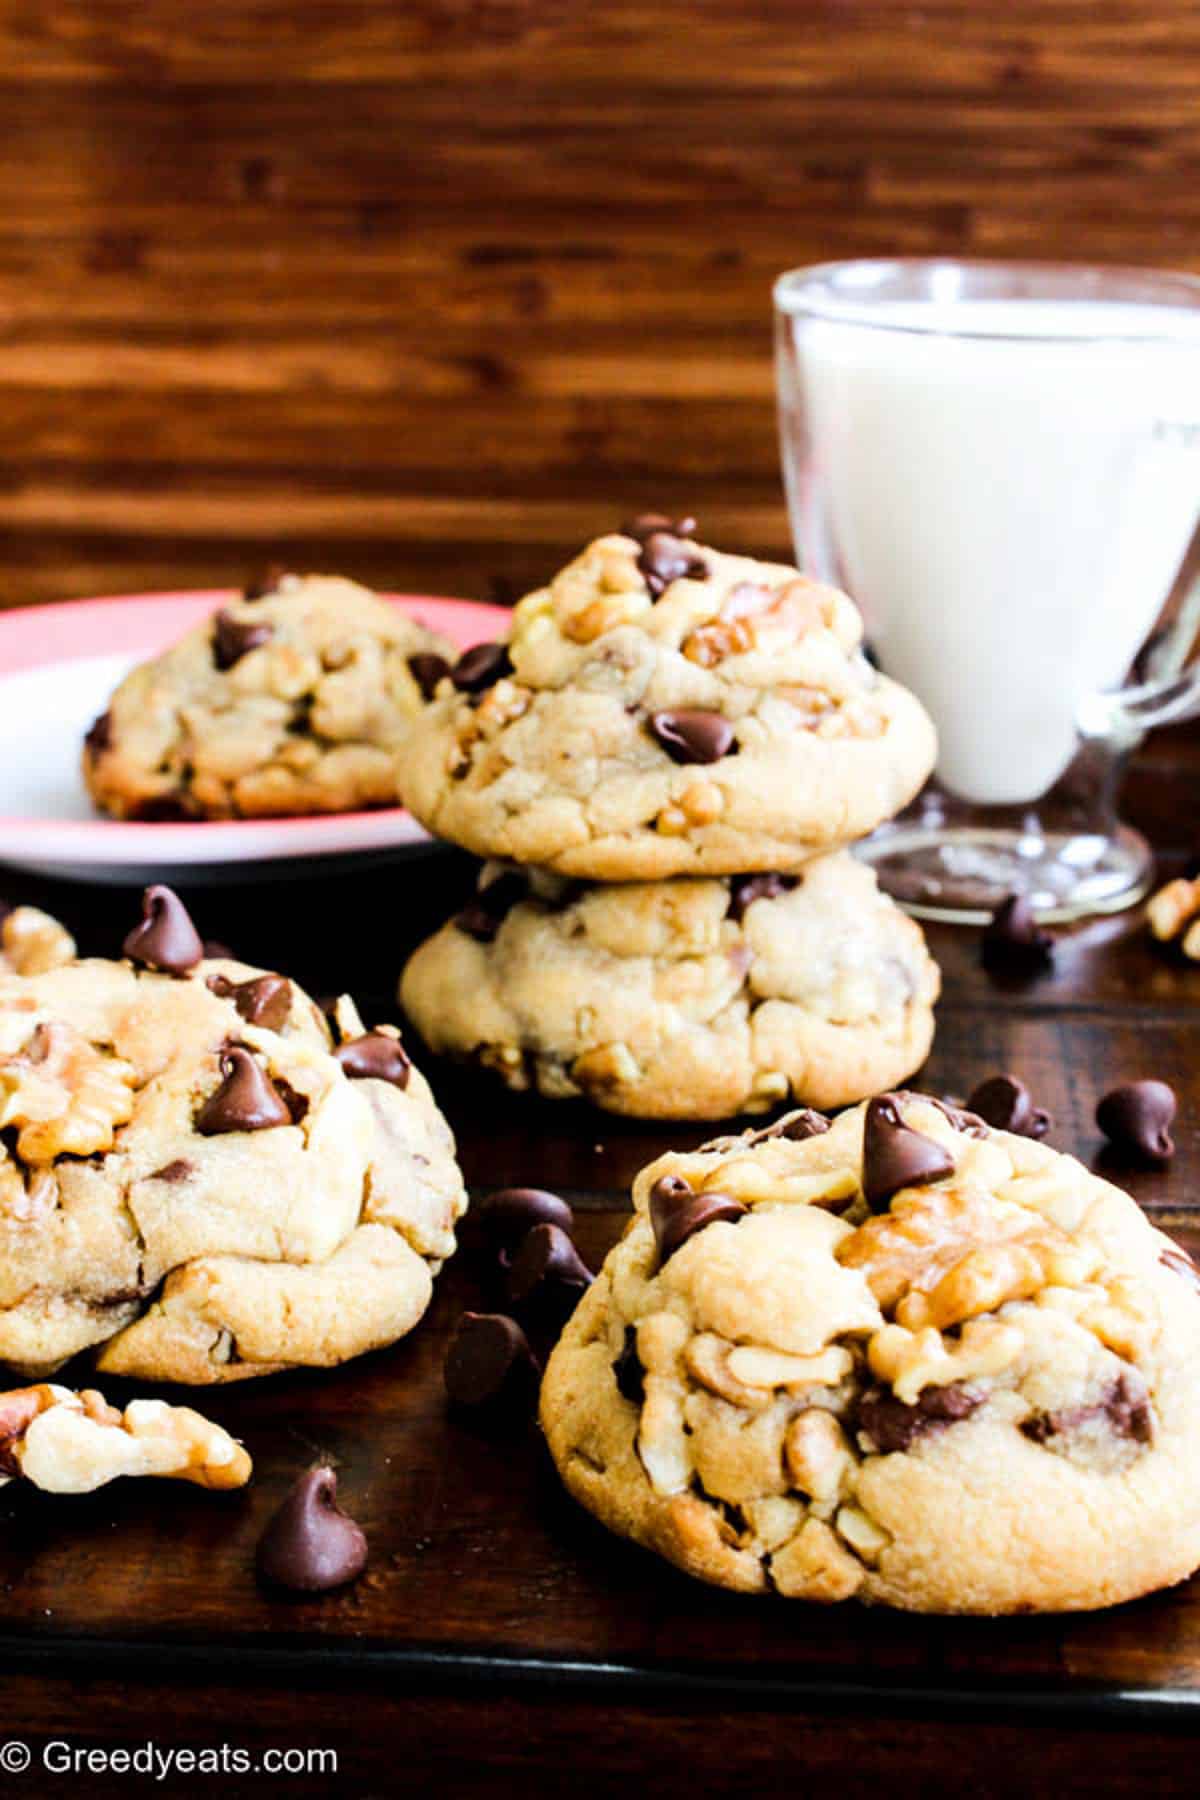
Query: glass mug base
960, 873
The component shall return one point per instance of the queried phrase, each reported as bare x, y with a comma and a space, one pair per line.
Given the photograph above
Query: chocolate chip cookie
292, 701
695, 998
663, 709
904, 1358
71, 1443
204, 1178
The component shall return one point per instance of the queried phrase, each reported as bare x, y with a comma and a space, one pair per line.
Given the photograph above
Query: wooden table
501, 1642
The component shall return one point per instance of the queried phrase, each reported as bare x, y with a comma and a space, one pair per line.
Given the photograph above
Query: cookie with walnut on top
662, 708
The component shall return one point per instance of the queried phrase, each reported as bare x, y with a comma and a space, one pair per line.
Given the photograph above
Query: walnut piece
65, 1096
31, 942
71, 1443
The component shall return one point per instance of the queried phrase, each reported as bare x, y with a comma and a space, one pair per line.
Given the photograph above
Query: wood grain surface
502, 1641
433, 291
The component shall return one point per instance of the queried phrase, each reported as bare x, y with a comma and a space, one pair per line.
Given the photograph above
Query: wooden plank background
429, 291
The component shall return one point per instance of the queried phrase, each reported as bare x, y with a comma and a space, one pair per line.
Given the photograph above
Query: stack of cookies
663, 767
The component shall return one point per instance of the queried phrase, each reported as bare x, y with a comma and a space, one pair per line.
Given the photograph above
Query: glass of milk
1001, 463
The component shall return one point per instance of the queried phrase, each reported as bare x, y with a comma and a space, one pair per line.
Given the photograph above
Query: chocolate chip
482, 917
665, 558
1013, 943
1136, 1119
376, 1056
266, 580
889, 1425
161, 809
310, 1545
547, 1274
166, 939
693, 737
265, 1001
509, 1213
744, 890
1124, 1405
99, 735
1003, 1102
797, 1126
235, 638
646, 524
174, 1172
247, 1099
1180, 1263
480, 667
677, 1213
627, 1370
427, 669
895, 1156
489, 1364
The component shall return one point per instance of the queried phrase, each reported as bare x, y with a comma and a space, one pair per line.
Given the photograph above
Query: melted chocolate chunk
895, 1156
427, 669
1013, 944
665, 558
627, 1370
174, 1172
235, 638
376, 1056
310, 1545
265, 1001
266, 580
482, 917
490, 1366
892, 1426
744, 890
247, 1099
480, 668
1136, 1119
1004, 1102
547, 1275
689, 736
1124, 1404
166, 939
646, 524
677, 1213
508, 1214
797, 1126
161, 809
99, 735
1181, 1264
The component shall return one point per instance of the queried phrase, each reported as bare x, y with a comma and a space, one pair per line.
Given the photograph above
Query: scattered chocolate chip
509, 1213
247, 1099
174, 1172
427, 669
480, 668
744, 890
627, 1370
646, 524
665, 558
895, 1156
266, 580
235, 638
797, 1126
1013, 943
1136, 1119
693, 737
99, 735
489, 1365
266, 1000
166, 939
376, 1056
1124, 1404
677, 1213
1180, 1263
310, 1545
482, 917
547, 1274
1004, 1103
890, 1425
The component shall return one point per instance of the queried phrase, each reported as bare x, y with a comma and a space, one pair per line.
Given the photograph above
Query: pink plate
58, 666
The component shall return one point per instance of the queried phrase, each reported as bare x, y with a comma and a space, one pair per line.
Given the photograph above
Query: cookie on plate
695, 998
289, 701
71, 1443
665, 709
201, 1176
31, 941
903, 1358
